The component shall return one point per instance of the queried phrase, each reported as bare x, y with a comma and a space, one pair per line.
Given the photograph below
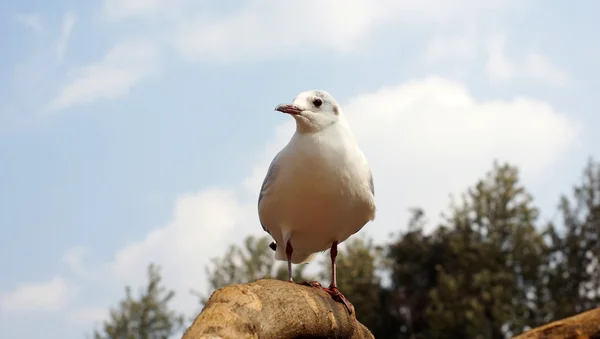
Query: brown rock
584, 325
269, 309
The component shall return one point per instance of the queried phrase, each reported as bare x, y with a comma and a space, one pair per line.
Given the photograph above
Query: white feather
320, 190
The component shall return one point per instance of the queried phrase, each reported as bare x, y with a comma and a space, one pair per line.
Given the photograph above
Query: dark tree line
490, 269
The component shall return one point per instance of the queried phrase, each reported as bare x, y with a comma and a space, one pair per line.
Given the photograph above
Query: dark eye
317, 102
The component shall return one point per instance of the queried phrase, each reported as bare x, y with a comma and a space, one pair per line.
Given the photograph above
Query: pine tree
478, 275
145, 317
575, 276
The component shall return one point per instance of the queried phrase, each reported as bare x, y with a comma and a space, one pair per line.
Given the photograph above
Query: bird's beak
288, 108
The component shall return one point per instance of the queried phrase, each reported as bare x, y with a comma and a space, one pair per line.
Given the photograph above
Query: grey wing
371, 184
372, 188
271, 172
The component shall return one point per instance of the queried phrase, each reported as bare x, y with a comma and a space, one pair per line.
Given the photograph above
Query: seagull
318, 190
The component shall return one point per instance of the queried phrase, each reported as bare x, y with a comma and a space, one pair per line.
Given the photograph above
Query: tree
574, 281
479, 274
412, 261
146, 317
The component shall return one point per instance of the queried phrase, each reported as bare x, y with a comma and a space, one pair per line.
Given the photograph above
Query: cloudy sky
140, 130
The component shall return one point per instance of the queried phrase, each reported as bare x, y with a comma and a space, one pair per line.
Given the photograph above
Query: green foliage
146, 317
478, 274
574, 281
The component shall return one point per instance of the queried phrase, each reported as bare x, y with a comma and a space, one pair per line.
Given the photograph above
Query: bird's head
313, 111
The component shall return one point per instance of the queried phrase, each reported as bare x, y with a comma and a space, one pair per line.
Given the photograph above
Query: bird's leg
288, 251
333, 289
333, 255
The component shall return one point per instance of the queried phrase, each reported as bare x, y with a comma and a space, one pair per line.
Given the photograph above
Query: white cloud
264, 29
453, 47
127, 9
30, 20
426, 138
501, 68
114, 76
121, 9
539, 67
258, 29
415, 11
74, 258
88, 316
498, 65
45, 296
67, 26
202, 227
463, 49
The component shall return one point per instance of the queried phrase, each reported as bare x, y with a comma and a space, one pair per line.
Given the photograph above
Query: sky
138, 131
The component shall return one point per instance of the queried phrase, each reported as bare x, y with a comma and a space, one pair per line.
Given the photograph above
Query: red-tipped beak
288, 108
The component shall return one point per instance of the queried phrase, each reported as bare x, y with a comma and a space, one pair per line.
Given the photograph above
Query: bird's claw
307, 283
339, 297
311, 284
333, 291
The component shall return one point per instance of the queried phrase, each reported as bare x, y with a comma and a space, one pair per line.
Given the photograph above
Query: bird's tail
297, 257
304, 258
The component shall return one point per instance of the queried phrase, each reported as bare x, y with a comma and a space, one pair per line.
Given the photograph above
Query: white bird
318, 190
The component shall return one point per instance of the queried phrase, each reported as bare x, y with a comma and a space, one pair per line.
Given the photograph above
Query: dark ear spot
336, 110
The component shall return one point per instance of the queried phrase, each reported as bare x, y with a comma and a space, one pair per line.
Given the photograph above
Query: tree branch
274, 309
581, 326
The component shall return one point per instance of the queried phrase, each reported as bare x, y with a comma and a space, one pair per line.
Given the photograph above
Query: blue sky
139, 130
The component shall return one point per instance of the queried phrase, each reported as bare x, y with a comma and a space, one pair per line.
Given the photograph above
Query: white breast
320, 194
